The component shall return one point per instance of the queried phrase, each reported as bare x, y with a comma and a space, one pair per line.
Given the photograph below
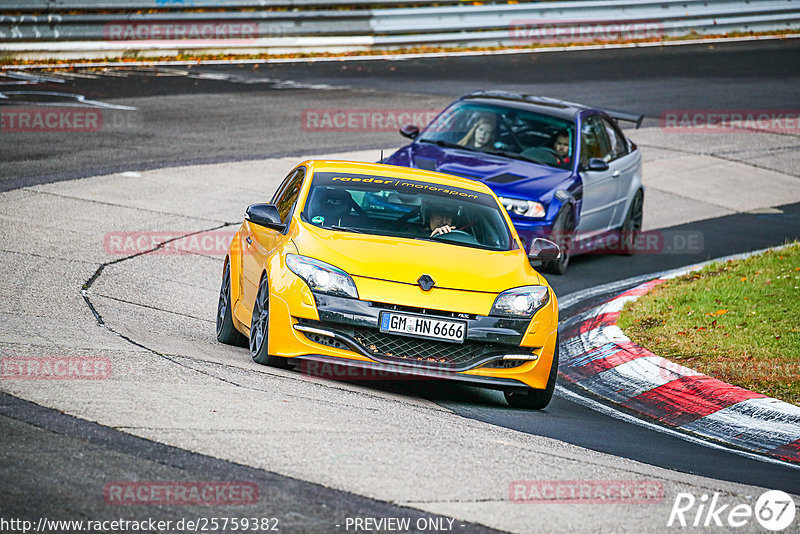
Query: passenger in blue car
481, 134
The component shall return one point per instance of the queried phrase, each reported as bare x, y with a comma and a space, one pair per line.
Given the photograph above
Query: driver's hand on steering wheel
446, 229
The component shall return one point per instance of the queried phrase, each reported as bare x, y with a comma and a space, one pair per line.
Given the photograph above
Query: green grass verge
737, 321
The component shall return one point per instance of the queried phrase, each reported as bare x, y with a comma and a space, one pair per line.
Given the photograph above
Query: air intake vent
425, 163
505, 178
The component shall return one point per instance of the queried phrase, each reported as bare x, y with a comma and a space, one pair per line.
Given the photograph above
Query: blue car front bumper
528, 230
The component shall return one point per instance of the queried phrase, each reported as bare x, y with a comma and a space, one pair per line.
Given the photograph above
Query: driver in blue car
561, 146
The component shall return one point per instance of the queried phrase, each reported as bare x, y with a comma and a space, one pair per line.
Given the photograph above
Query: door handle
249, 241
615, 174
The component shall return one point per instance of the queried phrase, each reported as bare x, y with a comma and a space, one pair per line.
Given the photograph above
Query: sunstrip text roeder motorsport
324, 178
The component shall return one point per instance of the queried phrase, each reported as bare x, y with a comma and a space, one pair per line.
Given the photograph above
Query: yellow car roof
395, 171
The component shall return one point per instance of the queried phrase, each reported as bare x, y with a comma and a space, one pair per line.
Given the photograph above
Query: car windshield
411, 209
504, 131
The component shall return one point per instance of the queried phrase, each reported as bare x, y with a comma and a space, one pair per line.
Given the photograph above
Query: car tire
632, 225
226, 331
535, 399
259, 328
562, 234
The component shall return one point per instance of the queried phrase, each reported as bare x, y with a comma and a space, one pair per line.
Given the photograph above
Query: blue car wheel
562, 235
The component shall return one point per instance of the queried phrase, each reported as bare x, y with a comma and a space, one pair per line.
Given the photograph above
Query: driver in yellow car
439, 218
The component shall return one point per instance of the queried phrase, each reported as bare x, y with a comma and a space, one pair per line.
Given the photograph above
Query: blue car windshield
412, 209
505, 131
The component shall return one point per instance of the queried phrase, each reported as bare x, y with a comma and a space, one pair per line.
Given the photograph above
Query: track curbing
598, 357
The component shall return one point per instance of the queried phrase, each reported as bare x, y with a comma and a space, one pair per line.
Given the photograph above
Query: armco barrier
104, 28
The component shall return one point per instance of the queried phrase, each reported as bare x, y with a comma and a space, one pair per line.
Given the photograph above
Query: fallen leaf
721, 312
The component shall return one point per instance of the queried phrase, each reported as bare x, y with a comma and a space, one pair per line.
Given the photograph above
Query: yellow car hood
405, 260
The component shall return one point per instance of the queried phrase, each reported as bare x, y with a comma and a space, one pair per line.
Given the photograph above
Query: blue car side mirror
410, 131
597, 164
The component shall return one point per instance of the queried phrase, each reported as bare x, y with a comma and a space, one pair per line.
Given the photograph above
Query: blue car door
599, 187
624, 164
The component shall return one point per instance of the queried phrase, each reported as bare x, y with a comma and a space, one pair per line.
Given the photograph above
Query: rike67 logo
774, 510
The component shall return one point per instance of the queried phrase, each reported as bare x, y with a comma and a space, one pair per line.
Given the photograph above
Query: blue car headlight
322, 277
526, 208
520, 302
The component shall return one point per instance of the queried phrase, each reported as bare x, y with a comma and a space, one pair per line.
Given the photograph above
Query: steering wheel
507, 123
553, 152
535, 151
459, 236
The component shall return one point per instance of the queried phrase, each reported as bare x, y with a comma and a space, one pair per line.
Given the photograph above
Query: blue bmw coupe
563, 171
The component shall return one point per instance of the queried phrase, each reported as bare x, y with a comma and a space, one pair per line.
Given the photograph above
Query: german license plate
421, 326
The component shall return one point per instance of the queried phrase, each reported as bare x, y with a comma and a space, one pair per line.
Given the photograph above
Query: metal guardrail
60, 6
93, 28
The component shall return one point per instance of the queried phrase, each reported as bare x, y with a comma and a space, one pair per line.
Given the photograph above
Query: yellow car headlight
520, 301
322, 277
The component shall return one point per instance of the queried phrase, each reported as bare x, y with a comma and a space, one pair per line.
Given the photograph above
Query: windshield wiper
448, 144
345, 229
504, 153
457, 243
514, 155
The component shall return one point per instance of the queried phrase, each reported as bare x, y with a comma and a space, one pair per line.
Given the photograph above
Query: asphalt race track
231, 115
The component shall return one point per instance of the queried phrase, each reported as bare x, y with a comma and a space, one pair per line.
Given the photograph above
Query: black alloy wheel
632, 225
226, 331
536, 399
562, 234
259, 328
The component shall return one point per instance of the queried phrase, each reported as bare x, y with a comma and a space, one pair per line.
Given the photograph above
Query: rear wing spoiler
627, 117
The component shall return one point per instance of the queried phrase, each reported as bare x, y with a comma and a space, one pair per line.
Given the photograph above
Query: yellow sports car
396, 269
